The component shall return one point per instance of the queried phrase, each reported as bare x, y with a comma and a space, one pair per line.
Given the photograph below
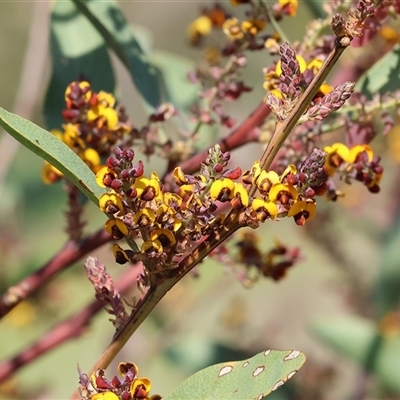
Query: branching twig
68, 329
69, 254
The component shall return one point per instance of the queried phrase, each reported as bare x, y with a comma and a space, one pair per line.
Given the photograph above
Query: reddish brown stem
69, 254
68, 329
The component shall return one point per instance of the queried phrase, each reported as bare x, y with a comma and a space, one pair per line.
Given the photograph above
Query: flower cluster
127, 387
170, 223
357, 162
241, 34
291, 194
92, 127
273, 263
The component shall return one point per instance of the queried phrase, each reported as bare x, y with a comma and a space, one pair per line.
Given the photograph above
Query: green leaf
77, 51
249, 379
53, 150
359, 339
383, 77
114, 28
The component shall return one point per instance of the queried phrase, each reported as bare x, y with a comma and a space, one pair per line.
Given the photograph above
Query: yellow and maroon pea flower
358, 151
198, 28
283, 193
222, 189
105, 176
104, 396
253, 26
271, 80
116, 228
264, 209
288, 7
302, 211
50, 174
128, 367
338, 154
91, 157
147, 189
266, 180
151, 246
250, 176
289, 170
140, 389
323, 90
240, 196
164, 236
315, 64
110, 202
144, 217
122, 256
102, 111
179, 177
232, 29
72, 138
172, 200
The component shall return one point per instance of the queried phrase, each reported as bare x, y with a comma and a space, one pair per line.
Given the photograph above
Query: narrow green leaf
384, 76
249, 379
53, 150
77, 51
359, 339
115, 30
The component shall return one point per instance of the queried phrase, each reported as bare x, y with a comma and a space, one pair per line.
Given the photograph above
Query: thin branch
69, 254
68, 329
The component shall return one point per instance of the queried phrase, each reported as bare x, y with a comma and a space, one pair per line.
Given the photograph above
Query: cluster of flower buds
127, 387
106, 291
289, 79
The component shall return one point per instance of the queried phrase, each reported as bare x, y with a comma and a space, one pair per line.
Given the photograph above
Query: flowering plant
164, 224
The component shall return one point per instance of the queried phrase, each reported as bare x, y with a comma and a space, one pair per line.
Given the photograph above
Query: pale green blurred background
181, 335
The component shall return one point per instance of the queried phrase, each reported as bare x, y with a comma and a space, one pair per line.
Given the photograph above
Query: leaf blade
74, 58
116, 32
249, 379
53, 150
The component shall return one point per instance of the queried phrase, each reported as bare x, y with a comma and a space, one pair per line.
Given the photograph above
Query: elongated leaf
250, 379
53, 150
77, 51
114, 28
384, 76
359, 340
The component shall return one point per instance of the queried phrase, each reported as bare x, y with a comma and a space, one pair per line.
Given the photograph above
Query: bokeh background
205, 319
